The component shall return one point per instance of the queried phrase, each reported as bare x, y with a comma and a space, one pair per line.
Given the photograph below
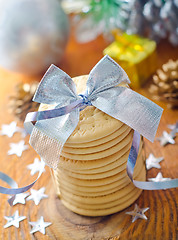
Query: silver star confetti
9, 129
138, 213
17, 148
37, 195
159, 178
152, 162
36, 166
20, 198
166, 138
39, 226
14, 220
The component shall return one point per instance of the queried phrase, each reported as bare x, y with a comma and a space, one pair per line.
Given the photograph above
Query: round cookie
107, 211
120, 161
107, 204
95, 182
98, 148
99, 199
101, 154
98, 141
94, 188
91, 182
100, 175
98, 191
84, 165
109, 200
95, 192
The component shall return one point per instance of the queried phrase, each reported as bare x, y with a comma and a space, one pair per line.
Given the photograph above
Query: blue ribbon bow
102, 91
50, 129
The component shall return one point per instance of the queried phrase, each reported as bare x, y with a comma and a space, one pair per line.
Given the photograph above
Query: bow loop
129, 107
56, 87
106, 74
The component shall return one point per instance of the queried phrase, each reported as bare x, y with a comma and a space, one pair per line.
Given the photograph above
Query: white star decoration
138, 213
20, 198
17, 148
9, 129
14, 220
159, 178
40, 226
166, 138
37, 195
151, 162
36, 166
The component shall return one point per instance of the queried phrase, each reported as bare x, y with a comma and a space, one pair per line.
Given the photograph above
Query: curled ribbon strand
14, 187
131, 165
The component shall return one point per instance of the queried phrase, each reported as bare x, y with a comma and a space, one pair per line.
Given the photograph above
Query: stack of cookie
91, 177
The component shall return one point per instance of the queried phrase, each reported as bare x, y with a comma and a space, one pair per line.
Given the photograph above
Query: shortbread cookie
101, 174
91, 182
98, 148
101, 190
93, 188
94, 182
84, 165
101, 154
101, 201
102, 212
120, 161
110, 200
100, 141
95, 191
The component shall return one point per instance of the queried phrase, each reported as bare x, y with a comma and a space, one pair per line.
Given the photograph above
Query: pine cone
22, 103
165, 84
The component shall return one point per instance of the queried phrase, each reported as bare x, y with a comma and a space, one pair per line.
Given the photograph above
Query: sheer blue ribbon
131, 165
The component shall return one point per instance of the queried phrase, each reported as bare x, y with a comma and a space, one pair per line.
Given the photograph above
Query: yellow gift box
136, 55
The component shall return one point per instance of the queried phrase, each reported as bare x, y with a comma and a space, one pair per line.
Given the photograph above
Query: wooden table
162, 215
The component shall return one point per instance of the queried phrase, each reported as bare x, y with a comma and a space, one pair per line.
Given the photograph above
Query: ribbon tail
49, 136
131, 108
5, 178
156, 185
33, 117
14, 187
131, 165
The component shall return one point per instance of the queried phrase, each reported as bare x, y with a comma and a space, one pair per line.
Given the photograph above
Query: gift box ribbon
50, 129
130, 49
129, 45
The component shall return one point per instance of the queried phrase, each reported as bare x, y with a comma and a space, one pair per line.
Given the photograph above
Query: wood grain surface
162, 215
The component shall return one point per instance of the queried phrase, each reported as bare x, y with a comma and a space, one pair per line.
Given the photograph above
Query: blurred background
141, 35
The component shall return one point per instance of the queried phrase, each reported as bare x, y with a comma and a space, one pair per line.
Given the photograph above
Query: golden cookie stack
91, 177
